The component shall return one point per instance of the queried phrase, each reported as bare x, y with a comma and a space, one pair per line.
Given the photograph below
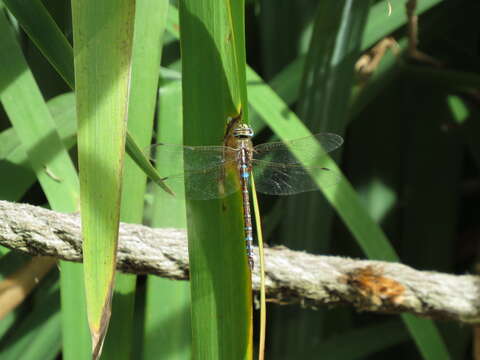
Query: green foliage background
409, 167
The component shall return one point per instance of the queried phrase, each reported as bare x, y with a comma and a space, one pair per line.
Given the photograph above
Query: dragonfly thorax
243, 131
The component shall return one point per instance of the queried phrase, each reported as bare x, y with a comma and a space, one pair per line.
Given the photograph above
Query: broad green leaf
212, 45
103, 33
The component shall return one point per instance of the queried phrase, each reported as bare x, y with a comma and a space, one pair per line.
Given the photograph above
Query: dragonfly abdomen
247, 219
244, 170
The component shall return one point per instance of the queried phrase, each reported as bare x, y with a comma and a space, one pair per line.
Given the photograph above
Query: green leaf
137, 155
102, 52
212, 53
150, 18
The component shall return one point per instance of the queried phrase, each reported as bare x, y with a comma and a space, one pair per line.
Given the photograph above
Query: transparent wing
283, 179
281, 152
210, 183
171, 159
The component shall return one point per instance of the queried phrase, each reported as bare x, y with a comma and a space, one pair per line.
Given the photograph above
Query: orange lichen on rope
375, 289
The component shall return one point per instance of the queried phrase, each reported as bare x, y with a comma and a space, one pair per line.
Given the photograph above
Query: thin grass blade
261, 256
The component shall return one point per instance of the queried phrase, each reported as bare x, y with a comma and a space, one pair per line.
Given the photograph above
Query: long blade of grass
212, 33
103, 35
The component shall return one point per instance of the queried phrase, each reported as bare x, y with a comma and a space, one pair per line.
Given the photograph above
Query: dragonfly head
243, 131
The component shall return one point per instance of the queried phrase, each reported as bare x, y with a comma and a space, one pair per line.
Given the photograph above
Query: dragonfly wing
283, 179
171, 159
210, 183
282, 152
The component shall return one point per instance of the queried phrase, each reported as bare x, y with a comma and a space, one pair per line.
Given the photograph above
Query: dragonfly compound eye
243, 131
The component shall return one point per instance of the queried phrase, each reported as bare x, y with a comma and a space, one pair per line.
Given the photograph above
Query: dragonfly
278, 168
